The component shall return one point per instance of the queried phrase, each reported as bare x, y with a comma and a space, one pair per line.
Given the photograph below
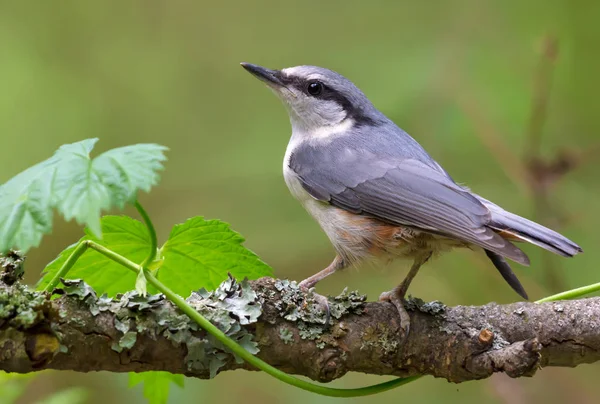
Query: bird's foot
398, 300
320, 300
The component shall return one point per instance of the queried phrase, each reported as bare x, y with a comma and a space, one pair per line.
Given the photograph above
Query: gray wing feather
398, 191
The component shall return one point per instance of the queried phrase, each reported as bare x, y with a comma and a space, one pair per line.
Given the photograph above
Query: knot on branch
516, 360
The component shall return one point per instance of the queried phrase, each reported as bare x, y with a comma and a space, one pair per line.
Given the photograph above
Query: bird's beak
271, 77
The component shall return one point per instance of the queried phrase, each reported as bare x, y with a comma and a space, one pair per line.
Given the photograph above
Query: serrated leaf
200, 253
156, 384
78, 187
127, 169
123, 235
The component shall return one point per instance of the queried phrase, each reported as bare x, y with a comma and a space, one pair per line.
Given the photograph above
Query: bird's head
316, 98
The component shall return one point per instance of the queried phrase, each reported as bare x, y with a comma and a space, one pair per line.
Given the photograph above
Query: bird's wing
397, 191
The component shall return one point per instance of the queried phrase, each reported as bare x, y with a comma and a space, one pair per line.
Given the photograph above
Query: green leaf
123, 235
200, 253
78, 187
156, 384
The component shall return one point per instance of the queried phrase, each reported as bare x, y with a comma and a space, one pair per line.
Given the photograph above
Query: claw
324, 303
320, 299
393, 297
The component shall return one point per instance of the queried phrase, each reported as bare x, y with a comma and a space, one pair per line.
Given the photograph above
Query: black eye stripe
327, 94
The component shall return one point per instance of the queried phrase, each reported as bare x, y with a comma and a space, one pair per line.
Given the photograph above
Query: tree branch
82, 332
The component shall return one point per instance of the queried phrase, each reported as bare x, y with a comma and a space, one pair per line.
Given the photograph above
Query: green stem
119, 259
62, 272
153, 242
571, 294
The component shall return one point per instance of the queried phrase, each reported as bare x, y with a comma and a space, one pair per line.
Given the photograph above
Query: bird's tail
517, 228
507, 273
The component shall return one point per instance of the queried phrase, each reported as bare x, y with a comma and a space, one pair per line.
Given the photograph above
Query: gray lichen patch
499, 341
346, 303
286, 335
20, 307
76, 287
310, 314
232, 305
381, 337
296, 304
11, 267
232, 299
127, 341
310, 331
434, 308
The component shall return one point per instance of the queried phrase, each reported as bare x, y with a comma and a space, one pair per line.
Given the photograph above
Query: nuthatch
376, 192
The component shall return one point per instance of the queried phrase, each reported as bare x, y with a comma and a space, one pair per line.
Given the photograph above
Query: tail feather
512, 226
516, 228
507, 273
526, 230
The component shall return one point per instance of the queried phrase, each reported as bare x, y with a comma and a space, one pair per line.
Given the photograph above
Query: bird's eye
314, 88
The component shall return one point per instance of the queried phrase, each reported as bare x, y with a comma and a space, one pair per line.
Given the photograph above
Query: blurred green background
459, 76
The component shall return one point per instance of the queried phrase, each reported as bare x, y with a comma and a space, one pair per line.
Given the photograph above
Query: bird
378, 195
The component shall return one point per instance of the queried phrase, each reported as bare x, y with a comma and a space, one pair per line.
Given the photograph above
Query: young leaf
156, 384
78, 187
123, 235
200, 253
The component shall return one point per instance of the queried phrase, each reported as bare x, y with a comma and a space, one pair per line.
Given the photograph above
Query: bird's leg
311, 281
396, 295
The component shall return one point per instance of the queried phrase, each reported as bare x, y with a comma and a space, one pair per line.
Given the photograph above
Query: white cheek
332, 112
313, 114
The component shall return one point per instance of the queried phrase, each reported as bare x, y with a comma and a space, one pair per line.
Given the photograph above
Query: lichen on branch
286, 327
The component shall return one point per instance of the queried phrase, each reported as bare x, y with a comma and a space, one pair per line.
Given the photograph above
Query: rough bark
81, 332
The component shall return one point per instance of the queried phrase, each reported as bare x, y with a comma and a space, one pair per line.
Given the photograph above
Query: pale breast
291, 178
